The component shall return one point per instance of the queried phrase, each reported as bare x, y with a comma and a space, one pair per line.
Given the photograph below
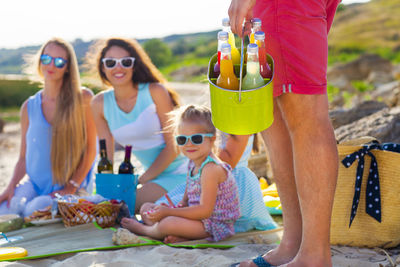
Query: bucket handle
241, 61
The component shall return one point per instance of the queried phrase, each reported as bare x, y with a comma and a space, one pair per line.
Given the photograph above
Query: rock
2, 123
389, 93
360, 69
378, 78
383, 125
258, 164
124, 237
340, 117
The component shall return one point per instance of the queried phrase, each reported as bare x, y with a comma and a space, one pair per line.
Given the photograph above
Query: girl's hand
158, 213
7, 195
181, 204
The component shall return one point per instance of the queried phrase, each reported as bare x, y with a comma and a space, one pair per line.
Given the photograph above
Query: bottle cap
259, 35
256, 22
223, 36
225, 48
252, 48
225, 22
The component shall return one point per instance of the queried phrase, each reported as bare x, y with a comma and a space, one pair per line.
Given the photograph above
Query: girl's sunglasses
196, 139
125, 62
59, 62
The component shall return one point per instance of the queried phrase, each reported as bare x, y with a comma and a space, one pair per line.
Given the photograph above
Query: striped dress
254, 213
226, 210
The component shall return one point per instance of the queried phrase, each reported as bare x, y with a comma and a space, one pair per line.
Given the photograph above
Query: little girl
210, 204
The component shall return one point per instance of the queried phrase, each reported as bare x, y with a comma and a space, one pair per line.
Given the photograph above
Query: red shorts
296, 37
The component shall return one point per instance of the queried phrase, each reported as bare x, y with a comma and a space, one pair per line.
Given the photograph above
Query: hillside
11, 60
370, 27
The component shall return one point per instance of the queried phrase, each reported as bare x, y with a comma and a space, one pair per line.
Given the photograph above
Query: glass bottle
104, 165
223, 38
231, 40
253, 78
126, 166
255, 27
265, 69
227, 78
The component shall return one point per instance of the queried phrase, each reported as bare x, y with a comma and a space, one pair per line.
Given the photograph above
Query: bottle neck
252, 57
256, 29
260, 43
220, 43
103, 153
128, 151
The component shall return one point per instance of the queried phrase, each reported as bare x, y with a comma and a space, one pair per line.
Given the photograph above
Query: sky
33, 22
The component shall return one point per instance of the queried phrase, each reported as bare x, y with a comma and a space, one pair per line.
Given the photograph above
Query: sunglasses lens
59, 62
181, 140
110, 63
127, 62
197, 139
45, 59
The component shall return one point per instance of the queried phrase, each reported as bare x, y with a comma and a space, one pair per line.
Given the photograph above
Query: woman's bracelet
74, 184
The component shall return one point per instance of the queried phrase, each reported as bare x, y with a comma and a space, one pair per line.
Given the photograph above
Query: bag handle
360, 141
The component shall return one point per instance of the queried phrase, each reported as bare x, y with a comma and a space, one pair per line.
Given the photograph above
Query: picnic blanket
55, 239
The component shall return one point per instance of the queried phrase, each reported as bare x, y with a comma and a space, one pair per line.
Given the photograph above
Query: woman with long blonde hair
58, 136
134, 112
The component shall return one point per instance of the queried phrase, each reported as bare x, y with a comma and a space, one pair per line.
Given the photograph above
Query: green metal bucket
241, 112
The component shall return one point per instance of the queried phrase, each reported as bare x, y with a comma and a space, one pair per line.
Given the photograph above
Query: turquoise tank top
141, 128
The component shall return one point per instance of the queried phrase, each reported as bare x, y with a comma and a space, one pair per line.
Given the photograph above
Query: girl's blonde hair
191, 113
68, 142
144, 70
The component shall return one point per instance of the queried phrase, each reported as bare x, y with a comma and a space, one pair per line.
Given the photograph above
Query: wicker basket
81, 213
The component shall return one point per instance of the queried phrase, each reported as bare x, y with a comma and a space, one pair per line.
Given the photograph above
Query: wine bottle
126, 166
104, 165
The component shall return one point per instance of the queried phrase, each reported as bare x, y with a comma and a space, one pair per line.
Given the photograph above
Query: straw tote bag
366, 209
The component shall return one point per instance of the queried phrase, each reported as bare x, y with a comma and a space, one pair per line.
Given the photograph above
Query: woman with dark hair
134, 112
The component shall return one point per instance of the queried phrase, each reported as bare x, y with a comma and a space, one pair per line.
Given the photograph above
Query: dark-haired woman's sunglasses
59, 62
125, 62
196, 139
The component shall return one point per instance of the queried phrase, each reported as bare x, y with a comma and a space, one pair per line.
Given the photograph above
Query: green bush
14, 92
362, 86
158, 51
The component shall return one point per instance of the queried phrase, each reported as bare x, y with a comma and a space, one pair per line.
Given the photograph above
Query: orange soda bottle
234, 51
255, 26
223, 38
227, 78
265, 69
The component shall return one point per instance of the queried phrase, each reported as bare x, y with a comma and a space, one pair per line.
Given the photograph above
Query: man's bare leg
316, 166
279, 145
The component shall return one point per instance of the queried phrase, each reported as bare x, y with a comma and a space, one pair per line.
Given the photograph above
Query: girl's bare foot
132, 225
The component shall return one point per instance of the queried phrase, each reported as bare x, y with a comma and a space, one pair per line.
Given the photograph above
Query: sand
163, 255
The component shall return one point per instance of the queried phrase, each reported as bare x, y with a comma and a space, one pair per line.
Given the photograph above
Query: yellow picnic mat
55, 239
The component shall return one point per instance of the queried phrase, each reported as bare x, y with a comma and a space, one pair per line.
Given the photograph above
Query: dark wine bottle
104, 165
126, 166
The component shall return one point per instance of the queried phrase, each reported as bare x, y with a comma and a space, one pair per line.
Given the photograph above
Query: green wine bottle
104, 165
